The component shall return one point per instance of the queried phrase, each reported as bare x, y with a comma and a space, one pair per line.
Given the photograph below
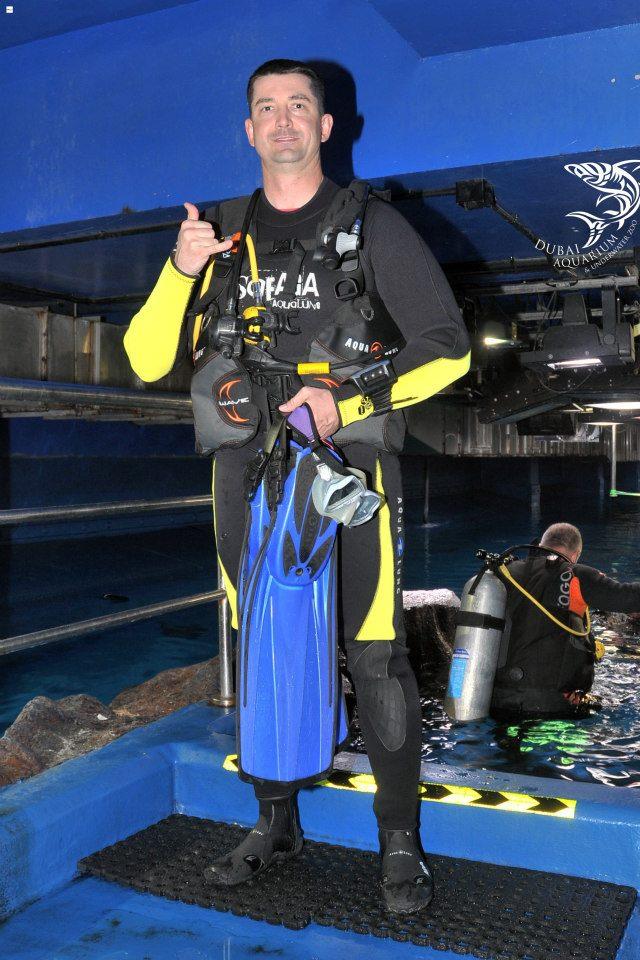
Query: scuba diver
543, 670
523, 647
313, 314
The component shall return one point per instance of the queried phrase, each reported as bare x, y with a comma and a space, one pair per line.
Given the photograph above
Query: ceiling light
494, 333
618, 405
576, 342
576, 362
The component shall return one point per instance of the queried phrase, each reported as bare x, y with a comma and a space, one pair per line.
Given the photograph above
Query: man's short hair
564, 537
284, 67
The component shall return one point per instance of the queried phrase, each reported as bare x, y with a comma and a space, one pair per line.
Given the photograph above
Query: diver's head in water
564, 538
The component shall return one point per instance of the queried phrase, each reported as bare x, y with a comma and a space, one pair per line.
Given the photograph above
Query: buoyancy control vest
357, 332
538, 660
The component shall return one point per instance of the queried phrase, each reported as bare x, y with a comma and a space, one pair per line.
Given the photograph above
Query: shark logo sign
617, 186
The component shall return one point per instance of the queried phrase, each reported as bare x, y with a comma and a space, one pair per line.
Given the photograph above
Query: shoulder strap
348, 203
228, 213
225, 216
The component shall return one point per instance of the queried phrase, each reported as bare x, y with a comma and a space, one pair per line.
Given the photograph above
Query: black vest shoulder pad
227, 213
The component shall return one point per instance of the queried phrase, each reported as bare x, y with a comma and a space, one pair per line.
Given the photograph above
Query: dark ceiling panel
35, 19
434, 29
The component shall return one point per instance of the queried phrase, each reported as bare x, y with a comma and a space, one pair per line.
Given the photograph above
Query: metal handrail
95, 511
40, 638
22, 391
225, 697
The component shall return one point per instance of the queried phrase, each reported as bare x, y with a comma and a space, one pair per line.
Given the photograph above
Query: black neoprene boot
276, 836
407, 885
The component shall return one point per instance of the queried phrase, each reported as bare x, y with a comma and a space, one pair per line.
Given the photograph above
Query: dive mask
344, 497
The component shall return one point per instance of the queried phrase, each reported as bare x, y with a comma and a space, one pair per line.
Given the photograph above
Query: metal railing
29, 391
40, 638
94, 511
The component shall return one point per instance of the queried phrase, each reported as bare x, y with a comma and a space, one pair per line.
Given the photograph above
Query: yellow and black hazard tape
447, 793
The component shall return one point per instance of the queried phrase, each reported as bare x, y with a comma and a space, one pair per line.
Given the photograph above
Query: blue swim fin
291, 712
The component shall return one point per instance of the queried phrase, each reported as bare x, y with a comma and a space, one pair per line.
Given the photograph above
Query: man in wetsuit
286, 126
544, 670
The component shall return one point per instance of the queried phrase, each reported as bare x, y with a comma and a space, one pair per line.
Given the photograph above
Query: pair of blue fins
290, 706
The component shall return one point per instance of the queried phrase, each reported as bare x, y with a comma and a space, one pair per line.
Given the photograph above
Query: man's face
286, 127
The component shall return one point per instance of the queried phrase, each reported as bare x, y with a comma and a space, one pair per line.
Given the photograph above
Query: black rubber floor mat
479, 909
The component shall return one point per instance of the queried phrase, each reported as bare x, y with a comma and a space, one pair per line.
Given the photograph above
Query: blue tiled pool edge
50, 822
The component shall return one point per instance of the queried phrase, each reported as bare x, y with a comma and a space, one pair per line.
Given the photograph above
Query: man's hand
197, 242
575, 697
322, 406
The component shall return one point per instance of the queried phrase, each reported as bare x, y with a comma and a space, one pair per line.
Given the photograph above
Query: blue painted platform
50, 822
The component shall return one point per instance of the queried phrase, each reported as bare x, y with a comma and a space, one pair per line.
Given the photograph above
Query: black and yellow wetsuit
370, 617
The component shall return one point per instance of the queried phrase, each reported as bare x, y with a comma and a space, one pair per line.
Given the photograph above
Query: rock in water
16, 763
50, 731
168, 691
46, 731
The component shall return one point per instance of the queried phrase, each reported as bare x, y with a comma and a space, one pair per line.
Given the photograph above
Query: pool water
61, 581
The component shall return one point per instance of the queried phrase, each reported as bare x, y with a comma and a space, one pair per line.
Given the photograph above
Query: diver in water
543, 669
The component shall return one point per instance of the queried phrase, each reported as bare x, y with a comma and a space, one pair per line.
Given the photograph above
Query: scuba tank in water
480, 627
480, 624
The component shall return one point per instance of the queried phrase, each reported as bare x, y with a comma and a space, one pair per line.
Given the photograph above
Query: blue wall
146, 112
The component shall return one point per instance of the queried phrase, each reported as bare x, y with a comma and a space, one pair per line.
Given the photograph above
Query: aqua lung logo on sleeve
360, 347
611, 224
356, 345
376, 347
399, 543
271, 286
231, 395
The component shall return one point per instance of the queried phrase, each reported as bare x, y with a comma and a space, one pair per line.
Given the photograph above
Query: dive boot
407, 884
277, 836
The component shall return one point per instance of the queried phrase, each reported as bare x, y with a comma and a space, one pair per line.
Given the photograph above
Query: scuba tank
480, 624
479, 632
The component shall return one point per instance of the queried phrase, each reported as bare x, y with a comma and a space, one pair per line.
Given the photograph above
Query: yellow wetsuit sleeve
411, 387
153, 337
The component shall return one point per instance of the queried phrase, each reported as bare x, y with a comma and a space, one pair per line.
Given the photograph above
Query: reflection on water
604, 747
